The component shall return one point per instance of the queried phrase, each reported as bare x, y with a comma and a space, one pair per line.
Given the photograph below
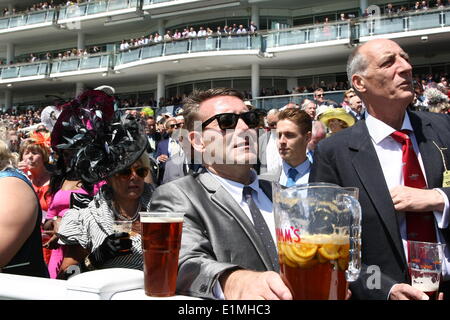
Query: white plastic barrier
107, 284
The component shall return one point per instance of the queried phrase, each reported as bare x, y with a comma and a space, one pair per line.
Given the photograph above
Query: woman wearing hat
336, 119
110, 148
34, 156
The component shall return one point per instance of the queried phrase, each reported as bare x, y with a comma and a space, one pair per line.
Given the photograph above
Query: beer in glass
425, 266
161, 241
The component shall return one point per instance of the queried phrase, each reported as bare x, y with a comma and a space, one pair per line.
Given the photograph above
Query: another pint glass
425, 266
161, 241
318, 236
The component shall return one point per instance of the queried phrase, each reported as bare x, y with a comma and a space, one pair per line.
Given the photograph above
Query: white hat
321, 109
180, 111
106, 89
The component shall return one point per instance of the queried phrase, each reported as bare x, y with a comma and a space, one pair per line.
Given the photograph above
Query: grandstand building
141, 47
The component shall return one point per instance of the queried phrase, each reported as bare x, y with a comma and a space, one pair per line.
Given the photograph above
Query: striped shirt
90, 226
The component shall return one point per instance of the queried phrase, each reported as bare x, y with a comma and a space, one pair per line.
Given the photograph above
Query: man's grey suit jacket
217, 234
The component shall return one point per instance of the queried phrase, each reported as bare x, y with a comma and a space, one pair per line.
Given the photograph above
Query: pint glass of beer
318, 239
161, 240
425, 266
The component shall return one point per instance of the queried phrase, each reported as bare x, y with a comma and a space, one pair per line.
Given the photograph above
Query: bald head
381, 75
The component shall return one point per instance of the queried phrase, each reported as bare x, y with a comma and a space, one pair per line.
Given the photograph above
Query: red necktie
419, 225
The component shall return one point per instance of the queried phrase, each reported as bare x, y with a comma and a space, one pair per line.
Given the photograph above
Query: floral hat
103, 141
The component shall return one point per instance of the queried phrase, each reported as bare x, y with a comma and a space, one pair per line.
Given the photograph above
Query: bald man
370, 156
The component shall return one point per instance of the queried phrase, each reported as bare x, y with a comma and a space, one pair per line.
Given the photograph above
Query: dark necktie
292, 173
261, 227
419, 225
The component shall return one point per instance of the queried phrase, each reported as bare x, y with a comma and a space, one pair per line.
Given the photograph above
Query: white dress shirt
389, 154
235, 189
273, 158
302, 176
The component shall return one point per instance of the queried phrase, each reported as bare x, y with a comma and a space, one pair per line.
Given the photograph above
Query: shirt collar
379, 130
236, 188
301, 168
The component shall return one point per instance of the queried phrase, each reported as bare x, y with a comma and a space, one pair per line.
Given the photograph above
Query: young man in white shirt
294, 133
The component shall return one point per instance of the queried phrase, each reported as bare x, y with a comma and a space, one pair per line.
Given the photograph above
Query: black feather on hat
104, 142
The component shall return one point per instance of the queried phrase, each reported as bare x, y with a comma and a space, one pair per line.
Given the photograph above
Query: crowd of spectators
188, 33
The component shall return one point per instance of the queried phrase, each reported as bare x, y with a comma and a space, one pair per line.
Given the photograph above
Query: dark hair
191, 104
59, 173
299, 117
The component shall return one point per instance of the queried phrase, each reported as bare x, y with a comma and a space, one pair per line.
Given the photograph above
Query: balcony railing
97, 61
41, 68
187, 46
309, 34
90, 8
276, 102
28, 19
150, 2
429, 19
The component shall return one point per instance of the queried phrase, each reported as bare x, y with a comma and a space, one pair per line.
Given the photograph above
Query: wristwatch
88, 264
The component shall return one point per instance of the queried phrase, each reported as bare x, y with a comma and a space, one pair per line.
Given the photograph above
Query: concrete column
80, 40
160, 87
8, 99
79, 88
363, 4
10, 52
161, 27
255, 80
255, 15
291, 84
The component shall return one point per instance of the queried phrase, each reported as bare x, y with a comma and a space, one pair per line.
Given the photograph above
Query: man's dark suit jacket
348, 158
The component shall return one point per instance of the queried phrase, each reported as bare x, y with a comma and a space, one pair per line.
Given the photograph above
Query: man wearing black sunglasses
228, 244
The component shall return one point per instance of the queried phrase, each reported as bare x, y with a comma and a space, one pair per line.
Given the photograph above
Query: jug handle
354, 265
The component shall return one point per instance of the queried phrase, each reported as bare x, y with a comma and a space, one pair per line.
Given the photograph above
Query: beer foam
425, 284
337, 239
161, 219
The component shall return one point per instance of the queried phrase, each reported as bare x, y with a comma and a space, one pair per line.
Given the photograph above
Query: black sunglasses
140, 172
175, 125
230, 120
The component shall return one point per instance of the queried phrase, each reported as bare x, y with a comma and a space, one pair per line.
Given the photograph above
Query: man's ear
358, 83
196, 140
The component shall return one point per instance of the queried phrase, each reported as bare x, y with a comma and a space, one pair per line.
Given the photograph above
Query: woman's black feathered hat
103, 141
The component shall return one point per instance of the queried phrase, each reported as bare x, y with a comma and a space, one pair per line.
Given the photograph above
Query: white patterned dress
90, 226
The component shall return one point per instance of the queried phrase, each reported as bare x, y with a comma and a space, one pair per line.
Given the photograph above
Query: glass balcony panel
152, 51
389, 25
4, 23
68, 65
364, 29
38, 17
90, 62
132, 3
11, 72
255, 42
104, 63
234, 43
345, 31
292, 37
203, 44
75, 11
324, 33
96, 7
17, 21
447, 18
424, 21
28, 71
176, 47
130, 56
117, 4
